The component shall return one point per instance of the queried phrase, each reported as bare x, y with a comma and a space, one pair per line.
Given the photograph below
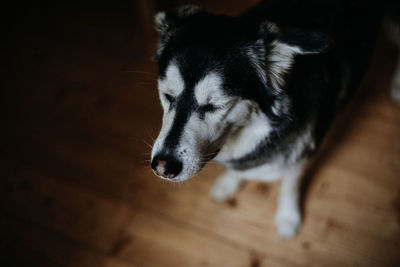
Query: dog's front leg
226, 186
288, 216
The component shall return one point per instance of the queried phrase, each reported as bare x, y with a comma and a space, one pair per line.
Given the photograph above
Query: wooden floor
76, 188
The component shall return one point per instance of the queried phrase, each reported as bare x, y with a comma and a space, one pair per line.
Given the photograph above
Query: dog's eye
169, 98
208, 108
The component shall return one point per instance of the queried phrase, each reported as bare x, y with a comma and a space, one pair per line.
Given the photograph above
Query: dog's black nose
166, 166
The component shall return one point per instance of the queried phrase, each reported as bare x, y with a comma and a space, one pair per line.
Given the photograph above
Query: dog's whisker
141, 72
148, 133
147, 167
144, 83
150, 146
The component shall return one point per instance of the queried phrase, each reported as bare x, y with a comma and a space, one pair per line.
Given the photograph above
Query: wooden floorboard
76, 187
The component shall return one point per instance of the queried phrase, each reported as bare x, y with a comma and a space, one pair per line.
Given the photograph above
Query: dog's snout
166, 166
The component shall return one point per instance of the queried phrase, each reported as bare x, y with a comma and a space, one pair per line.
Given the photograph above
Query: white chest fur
246, 139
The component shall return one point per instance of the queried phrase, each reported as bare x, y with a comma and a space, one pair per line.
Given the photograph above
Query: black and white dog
257, 92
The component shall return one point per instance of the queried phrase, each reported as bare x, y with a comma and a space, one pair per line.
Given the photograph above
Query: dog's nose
166, 166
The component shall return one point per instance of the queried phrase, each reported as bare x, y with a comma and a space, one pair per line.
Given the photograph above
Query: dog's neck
246, 138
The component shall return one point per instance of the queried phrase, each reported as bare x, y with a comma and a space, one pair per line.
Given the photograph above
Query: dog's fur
257, 92
392, 26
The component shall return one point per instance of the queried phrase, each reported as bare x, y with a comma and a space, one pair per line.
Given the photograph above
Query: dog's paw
288, 222
224, 188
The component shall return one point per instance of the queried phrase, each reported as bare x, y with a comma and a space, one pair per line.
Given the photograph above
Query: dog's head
214, 72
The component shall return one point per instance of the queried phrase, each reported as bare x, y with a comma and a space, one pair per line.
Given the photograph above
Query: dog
257, 92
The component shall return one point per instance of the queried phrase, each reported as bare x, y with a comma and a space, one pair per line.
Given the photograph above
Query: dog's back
321, 84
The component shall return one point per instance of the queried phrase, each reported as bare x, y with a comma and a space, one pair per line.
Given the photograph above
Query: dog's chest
246, 139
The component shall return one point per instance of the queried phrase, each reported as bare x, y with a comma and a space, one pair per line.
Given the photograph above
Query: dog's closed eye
208, 108
169, 98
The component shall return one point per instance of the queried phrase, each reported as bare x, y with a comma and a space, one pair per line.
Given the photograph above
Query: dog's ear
167, 22
285, 44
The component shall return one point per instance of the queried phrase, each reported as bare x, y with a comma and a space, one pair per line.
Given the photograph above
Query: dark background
79, 110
